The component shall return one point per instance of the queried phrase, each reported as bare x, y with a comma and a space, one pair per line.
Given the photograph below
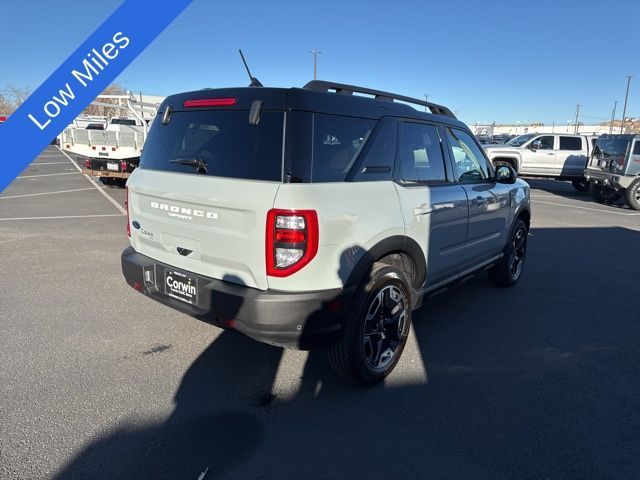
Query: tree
12, 97
6, 107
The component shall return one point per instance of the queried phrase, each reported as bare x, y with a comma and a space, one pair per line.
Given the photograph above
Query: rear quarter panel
352, 217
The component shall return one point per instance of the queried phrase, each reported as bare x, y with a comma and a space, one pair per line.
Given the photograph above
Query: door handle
479, 201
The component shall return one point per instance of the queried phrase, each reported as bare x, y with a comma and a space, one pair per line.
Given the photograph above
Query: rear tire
376, 329
632, 195
603, 194
580, 184
508, 270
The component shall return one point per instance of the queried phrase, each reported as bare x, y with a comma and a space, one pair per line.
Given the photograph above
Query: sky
487, 61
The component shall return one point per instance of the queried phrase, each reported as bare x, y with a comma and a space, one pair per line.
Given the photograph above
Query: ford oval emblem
136, 224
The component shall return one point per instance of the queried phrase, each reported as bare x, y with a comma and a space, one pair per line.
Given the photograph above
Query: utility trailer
113, 152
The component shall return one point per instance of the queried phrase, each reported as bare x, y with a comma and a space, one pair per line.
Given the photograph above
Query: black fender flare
390, 245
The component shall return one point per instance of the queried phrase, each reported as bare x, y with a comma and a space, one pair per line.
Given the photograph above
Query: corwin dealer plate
181, 286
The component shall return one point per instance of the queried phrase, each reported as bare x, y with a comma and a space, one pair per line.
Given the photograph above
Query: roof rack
343, 89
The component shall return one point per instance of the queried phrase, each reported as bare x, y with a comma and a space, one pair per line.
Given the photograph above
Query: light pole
426, 99
315, 52
577, 114
624, 110
613, 116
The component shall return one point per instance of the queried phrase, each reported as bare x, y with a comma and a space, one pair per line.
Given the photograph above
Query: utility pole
577, 114
624, 110
315, 52
426, 99
613, 116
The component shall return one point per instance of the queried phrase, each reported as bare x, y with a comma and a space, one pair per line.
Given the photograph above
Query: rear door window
570, 143
217, 143
421, 157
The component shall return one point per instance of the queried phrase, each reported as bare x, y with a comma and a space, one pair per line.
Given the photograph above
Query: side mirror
535, 145
506, 174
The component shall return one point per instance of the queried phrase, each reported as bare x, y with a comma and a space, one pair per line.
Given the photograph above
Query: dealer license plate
181, 286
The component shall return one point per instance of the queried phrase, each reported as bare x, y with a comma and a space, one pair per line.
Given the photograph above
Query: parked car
558, 156
306, 218
614, 169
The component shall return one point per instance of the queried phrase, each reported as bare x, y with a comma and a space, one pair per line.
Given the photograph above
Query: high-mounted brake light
126, 205
210, 102
291, 240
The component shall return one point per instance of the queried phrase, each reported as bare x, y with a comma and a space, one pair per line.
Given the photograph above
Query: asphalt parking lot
97, 381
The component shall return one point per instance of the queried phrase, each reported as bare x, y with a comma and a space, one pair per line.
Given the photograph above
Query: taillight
620, 162
87, 163
126, 205
123, 166
291, 240
209, 102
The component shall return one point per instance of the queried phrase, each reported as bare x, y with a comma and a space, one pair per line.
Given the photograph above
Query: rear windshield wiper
193, 162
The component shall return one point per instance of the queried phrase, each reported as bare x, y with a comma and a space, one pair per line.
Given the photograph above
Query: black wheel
632, 195
508, 270
602, 194
376, 328
581, 184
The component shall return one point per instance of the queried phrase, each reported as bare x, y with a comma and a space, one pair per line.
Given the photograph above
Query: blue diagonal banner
82, 76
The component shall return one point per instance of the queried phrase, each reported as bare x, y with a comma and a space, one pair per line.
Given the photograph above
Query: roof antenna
254, 81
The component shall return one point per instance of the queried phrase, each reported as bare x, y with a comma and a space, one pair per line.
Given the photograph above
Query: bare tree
12, 97
113, 89
6, 107
17, 95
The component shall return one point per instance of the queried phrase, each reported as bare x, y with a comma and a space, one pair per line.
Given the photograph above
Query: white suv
314, 217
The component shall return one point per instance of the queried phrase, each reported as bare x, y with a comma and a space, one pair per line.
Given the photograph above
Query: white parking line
62, 217
587, 208
47, 175
116, 204
46, 193
48, 163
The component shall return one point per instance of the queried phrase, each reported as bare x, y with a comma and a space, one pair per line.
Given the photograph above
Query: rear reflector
209, 102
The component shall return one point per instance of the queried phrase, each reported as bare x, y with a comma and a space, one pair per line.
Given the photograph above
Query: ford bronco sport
317, 216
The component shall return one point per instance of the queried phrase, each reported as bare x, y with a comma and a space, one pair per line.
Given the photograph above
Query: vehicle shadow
536, 381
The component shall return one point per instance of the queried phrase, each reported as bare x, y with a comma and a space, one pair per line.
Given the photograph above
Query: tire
508, 270
580, 184
632, 194
603, 194
374, 336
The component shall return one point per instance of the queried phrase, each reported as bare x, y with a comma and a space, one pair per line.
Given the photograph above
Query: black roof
316, 97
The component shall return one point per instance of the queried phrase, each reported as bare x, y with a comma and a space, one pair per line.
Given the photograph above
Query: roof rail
343, 89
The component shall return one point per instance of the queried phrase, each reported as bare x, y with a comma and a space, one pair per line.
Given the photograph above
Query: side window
421, 156
379, 154
470, 164
546, 143
570, 143
337, 143
636, 148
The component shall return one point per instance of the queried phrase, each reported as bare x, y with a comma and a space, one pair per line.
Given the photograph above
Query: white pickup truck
550, 155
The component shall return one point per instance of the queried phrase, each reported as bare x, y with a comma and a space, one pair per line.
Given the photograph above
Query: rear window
570, 143
612, 146
217, 143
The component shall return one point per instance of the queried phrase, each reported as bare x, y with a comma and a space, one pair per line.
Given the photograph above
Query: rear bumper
105, 173
301, 320
608, 179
